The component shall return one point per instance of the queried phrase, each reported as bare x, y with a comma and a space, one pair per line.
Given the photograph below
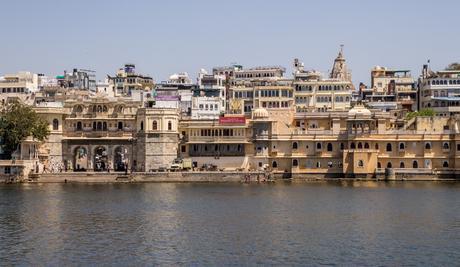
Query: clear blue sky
171, 36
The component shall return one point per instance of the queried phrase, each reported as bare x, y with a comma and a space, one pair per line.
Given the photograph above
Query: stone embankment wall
144, 177
214, 177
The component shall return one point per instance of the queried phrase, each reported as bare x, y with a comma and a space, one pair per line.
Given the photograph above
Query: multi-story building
79, 79
390, 90
209, 98
23, 82
127, 80
251, 119
440, 91
225, 143
315, 93
243, 85
353, 143
179, 88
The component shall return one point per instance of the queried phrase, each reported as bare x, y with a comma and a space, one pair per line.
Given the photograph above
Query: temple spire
339, 69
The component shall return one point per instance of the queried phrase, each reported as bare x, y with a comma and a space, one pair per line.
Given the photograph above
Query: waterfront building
225, 142
353, 143
440, 91
253, 119
157, 137
315, 93
127, 80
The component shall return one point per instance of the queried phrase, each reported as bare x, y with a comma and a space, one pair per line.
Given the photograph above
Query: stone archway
120, 158
80, 159
100, 159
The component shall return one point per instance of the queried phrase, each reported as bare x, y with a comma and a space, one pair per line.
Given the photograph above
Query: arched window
120, 125
360, 163
104, 126
415, 164
401, 146
295, 145
360, 145
342, 146
389, 166
155, 125
274, 165
427, 145
329, 147
366, 145
55, 124
376, 146
352, 146
169, 125
445, 146
318, 146
389, 148
104, 108
79, 128
94, 126
379, 165
401, 165
142, 125
445, 164
295, 163
99, 126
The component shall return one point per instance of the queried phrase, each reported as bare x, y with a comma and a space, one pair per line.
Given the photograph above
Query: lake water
323, 223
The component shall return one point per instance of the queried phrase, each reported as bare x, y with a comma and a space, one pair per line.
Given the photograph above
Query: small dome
260, 113
359, 110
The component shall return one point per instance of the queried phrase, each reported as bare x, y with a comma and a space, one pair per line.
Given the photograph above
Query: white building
440, 91
313, 92
23, 82
209, 98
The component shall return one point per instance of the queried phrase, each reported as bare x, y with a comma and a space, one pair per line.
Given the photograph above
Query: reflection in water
346, 223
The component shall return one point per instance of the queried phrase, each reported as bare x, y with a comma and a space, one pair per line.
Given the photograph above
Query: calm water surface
348, 223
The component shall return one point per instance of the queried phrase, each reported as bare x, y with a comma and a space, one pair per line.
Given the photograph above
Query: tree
425, 112
17, 122
453, 66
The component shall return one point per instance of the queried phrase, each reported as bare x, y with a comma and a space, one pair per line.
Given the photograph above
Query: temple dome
260, 113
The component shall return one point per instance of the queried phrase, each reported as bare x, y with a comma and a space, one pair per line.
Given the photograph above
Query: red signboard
232, 120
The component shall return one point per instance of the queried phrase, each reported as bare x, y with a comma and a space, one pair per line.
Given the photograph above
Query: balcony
98, 134
212, 139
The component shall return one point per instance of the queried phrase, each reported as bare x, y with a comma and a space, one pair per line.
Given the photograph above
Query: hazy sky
172, 36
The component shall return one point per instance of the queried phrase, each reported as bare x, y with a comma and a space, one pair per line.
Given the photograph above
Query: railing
218, 138
98, 134
50, 104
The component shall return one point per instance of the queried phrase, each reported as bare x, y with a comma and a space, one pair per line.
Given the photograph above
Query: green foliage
426, 112
453, 66
17, 122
